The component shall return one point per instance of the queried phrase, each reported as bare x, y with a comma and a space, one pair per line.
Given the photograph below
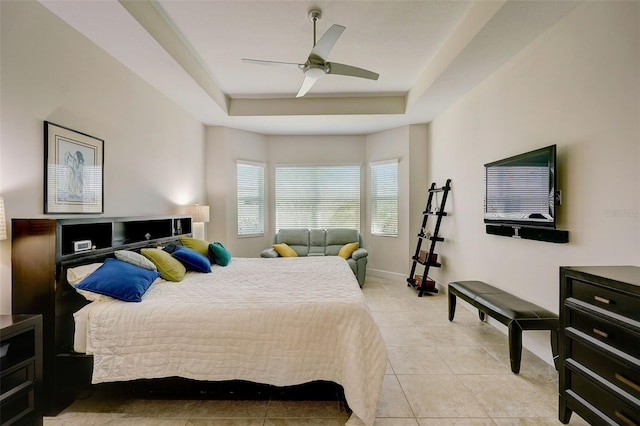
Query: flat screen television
521, 190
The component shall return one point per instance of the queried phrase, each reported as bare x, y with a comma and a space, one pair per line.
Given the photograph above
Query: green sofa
323, 242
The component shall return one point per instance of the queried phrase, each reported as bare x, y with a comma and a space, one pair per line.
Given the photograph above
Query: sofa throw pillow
135, 259
192, 260
348, 249
284, 250
170, 269
219, 254
120, 280
201, 246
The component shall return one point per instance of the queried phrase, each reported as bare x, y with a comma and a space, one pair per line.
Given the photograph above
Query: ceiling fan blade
342, 69
325, 44
306, 85
261, 62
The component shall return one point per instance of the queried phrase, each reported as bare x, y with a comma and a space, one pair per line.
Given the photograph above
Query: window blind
250, 198
317, 196
384, 198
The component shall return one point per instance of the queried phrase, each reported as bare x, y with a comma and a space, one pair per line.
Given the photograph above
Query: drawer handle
601, 333
602, 300
633, 385
626, 420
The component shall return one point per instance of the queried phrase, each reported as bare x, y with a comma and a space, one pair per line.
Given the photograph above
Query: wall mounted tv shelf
530, 233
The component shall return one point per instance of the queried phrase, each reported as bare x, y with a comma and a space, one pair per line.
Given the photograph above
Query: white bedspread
282, 322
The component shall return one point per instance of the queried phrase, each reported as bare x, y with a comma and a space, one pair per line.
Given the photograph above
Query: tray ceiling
428, 55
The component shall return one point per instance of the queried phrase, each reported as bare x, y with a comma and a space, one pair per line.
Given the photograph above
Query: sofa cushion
297, 239
317, 242
338, 237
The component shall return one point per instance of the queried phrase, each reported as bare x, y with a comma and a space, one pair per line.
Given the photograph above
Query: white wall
391, 256
153, 150
225, 146
576, 86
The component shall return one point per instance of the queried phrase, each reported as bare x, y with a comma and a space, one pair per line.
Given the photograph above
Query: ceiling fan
316, 65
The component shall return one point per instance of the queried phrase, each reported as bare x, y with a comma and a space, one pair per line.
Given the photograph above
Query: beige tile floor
439, 373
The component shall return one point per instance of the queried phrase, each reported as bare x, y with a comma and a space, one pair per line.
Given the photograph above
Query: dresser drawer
605, 298
18, 408
615, 372
22, 374
614, 408
606, 332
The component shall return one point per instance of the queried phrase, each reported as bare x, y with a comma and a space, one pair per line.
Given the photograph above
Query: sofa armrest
359, 253
270, 252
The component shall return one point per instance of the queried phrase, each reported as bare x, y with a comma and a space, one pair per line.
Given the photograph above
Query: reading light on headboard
3, 221
200, 216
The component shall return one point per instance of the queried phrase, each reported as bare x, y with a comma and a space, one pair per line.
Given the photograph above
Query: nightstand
20, 369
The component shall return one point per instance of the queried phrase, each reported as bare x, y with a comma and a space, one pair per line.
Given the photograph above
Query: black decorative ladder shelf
428, 258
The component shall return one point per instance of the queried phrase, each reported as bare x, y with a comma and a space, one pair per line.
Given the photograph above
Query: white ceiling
428, 54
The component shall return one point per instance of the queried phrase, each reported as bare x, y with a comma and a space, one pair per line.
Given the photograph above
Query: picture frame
73, 171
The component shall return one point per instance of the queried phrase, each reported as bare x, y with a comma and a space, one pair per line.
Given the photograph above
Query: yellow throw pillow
170, 268
347, 249
284, 250
201, 246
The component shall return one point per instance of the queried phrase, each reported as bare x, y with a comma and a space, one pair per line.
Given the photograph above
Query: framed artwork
74, 171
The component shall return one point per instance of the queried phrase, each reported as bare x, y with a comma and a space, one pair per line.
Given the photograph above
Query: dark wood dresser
600, 344
21, 370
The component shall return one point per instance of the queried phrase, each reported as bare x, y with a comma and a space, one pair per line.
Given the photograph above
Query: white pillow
135, 259
79, 273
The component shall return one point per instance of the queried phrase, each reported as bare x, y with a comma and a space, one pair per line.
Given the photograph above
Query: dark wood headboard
42, 251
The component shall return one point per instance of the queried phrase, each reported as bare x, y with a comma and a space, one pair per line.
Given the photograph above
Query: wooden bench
515, 313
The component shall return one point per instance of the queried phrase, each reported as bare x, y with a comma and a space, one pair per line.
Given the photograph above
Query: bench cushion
512, 307
504, 306
473, 288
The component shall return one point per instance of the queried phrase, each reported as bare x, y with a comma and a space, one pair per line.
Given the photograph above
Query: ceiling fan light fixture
314, 71
316, 65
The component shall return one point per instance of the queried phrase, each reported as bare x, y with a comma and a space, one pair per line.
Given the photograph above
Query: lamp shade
3, 221
199, 213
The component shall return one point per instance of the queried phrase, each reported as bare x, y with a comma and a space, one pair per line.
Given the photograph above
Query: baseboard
395, 276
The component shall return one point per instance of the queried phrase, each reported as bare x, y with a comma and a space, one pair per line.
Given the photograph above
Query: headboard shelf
79, 235
41, 252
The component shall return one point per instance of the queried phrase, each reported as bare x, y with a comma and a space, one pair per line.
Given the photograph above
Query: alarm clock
82, 245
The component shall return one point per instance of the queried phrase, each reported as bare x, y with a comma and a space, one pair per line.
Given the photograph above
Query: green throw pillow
219, 254
170, 269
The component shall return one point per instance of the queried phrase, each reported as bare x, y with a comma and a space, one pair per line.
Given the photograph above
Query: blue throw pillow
192, 260
120, 280
219, 254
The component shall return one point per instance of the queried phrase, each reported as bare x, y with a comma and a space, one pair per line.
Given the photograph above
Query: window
318, 197
250, 197
384, 198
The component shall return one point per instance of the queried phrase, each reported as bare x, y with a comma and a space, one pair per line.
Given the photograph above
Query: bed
280, 322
